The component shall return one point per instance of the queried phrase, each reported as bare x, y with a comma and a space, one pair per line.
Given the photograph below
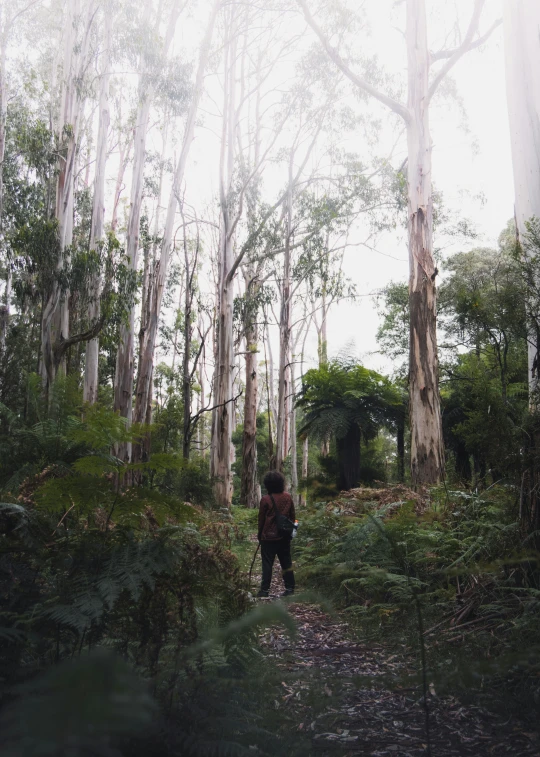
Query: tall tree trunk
5, 306
189, 270
123, 160
293, 437
285, 331
522, 57
223, 415
269, 390
160, 278
222, 428
90, 387
322, 335
186, 376
305, 460
427, 448
123, 383
55, 319
272, 409
201, 424
249, 488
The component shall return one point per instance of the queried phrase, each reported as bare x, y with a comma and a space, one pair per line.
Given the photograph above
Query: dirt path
326, 673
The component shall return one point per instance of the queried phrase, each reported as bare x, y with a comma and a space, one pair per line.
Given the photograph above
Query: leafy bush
459, 559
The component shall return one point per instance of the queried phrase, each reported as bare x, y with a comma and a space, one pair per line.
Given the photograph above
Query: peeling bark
427, 449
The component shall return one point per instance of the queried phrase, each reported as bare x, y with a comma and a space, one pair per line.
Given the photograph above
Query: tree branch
11, 21
252, 238
445, 54
465, 46
196, 417
199, 352
61, 347
361, 83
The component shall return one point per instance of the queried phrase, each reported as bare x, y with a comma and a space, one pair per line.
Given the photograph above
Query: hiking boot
263, 594
287, 592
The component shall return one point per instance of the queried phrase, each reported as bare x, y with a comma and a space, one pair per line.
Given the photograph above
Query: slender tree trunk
248, 494
322, 346
305, 459
54, 311
90, 387
150, 333
293, 437
123, 384
188, 334
222, 421
522, 56
55, 317
427, 449
5, 306
186, 381
123, 160
222, 429
272, 409
269, 390
285, 331
201, 424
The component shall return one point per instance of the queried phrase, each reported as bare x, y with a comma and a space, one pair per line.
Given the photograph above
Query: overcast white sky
471, 160
471, 157
468, 163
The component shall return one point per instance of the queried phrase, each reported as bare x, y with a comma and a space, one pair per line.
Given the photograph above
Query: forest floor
337, 691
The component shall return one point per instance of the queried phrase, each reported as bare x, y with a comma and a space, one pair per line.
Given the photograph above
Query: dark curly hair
274, 482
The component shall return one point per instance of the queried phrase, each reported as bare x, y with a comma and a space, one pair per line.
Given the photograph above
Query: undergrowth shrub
460, 559
124, 590
171, 607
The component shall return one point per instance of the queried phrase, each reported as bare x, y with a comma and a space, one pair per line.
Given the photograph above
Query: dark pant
282, 550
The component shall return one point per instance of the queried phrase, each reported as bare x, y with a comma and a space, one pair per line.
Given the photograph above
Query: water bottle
295, 529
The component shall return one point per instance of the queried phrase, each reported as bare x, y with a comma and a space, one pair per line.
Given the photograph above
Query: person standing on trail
275, 542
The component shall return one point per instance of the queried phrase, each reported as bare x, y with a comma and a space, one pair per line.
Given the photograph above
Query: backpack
285, 526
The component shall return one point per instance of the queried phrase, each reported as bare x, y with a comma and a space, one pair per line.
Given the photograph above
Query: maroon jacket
267, 520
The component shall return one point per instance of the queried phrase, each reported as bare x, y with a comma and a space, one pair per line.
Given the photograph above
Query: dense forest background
180, 186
